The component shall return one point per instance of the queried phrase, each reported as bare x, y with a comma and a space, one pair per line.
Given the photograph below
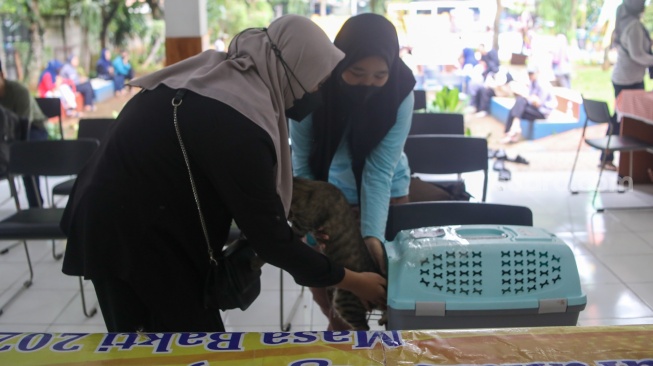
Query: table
635, 107
562, 346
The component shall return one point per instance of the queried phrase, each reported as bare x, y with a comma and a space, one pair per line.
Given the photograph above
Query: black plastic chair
51, 107
447, 154
420, 99
598, 112
437, 123
89, 128
46, 158
442, 213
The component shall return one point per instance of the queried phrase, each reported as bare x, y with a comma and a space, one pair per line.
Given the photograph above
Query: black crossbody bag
234, 277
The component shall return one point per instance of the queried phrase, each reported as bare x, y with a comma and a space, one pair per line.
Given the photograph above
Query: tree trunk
84, 52
497, 23
64, 38
573, 23
35, 52
107, 16
155, 48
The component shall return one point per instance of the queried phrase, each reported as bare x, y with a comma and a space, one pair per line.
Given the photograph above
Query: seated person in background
491, 59
536, 101
122, 72
468, 63
494, 85
83, 85
53, 85
15, 97
103, 66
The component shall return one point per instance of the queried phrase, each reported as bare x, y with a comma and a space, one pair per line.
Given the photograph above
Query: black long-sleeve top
132, 209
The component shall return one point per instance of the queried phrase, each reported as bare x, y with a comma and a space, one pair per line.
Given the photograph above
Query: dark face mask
359, 94
303, 107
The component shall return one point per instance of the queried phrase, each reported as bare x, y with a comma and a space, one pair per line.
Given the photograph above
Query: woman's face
369, 71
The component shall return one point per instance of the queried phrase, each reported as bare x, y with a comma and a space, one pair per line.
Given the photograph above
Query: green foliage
448, 100
594, 83
126, 24
232, 16
556, 14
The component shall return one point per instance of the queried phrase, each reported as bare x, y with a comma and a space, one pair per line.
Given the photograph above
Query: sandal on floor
498, 165
505, 175
519, 159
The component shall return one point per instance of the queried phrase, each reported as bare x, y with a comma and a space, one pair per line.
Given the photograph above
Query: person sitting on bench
534, 102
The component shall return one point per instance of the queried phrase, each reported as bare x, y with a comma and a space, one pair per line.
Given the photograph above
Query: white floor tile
631, 268
644, 291
605, 301
74, 313
614, 243
592, 271
35, 306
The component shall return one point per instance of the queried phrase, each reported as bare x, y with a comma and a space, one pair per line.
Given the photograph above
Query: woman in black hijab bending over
355, 140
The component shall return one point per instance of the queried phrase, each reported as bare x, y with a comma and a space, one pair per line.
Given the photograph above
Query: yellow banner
550, 346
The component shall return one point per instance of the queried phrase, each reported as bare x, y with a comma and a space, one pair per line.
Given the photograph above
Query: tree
88, 14
232, 16
497, 22
108, 10
557, 14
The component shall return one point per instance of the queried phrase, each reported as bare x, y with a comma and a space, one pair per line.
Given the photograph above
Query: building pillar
186, 31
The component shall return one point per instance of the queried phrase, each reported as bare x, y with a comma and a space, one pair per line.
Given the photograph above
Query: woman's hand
375, 248
370, 287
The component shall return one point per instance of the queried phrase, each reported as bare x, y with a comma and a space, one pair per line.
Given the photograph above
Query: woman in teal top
355, 140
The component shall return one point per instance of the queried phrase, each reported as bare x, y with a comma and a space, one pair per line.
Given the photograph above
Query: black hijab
361, 36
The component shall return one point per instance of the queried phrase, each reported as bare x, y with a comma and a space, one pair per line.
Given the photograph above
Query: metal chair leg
26, 284
54, 253
573, 168
86, 312
286, 325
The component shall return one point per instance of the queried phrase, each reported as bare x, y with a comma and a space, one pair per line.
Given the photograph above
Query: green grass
594, 83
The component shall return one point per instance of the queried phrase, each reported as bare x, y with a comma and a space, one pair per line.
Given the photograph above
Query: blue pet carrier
481, 276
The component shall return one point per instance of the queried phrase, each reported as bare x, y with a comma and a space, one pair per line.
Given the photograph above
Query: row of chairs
437, 145
53, 158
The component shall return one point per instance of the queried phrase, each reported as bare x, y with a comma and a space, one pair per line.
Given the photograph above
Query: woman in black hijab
355, 139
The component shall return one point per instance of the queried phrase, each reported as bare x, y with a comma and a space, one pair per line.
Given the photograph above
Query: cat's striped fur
321, 205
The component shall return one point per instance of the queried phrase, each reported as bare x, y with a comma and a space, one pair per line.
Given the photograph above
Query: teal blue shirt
386, 173
119, 67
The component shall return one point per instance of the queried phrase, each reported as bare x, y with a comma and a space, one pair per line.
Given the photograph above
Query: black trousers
482, 99
522, 110
32, 182
128, 307
86, 90
615, 125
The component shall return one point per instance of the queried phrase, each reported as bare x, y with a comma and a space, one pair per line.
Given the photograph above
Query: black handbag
235, 282
234, 278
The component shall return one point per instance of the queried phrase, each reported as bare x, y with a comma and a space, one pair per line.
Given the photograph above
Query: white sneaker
480, 114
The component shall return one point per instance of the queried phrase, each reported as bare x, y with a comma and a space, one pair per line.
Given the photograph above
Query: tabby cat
321, 205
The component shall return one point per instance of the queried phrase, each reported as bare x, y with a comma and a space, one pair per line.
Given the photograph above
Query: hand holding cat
370, 287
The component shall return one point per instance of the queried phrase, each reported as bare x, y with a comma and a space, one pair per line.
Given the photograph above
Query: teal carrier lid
481, 267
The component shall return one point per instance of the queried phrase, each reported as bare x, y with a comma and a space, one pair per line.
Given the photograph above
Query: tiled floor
614, 252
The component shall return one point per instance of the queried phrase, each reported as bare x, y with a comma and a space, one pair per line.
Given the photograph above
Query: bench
557, 121
103, 89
